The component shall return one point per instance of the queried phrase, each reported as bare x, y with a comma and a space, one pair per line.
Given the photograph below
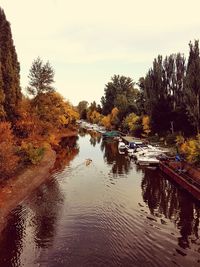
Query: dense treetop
10, 91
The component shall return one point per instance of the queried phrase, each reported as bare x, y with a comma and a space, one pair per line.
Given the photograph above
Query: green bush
30, 153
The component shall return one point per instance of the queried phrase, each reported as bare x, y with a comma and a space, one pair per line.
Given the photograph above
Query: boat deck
130, 139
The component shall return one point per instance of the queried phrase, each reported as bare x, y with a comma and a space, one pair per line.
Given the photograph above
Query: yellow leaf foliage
180, 140
52, 109
191, 149
131, 121
146, 125
111, 119
94, 116
106, 121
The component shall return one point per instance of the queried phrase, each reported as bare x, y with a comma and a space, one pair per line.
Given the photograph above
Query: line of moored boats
183, 173
143, 153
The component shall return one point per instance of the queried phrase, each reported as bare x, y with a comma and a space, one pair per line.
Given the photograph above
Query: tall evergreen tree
10, 91
192, 85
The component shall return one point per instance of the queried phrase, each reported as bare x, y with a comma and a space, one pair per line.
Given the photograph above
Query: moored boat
121, 145
111, 134
183, 174
148, 160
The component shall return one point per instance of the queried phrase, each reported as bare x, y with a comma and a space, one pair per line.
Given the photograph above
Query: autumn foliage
8, 158
190, 148
111, 120
41, 122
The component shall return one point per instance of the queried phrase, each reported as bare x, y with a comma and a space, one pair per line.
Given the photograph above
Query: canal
105, 211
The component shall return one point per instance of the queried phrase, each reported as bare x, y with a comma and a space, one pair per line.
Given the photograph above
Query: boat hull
186, 182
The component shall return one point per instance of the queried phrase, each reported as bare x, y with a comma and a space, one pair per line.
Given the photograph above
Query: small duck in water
87, 162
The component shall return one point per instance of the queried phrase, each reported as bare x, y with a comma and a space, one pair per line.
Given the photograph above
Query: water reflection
40, 211
80, 217
95, 137
47, 201
121, 164
45, 205
164, 198
11, 240
82, 132
66, 151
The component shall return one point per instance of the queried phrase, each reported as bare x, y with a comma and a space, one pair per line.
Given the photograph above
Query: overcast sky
88, 41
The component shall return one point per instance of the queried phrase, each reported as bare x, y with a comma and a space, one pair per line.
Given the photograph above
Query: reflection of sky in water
103, 214
88, 151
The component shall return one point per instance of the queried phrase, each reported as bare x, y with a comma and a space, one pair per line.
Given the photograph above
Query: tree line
165, 102
28, 125
171, 91
169, 94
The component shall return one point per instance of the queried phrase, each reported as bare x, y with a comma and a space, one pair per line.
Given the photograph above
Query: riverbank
15, 189
19, 186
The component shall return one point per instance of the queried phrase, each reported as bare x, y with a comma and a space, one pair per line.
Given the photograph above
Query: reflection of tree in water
46, 206
11, 241
120, 164
162, 196
66, 152
82, 132
95, 138
188, 222
48, 198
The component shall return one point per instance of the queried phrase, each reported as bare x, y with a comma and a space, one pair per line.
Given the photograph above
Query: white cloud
89, 41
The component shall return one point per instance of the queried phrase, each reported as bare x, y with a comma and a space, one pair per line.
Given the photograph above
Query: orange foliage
40, 122
106, 121
94, 116
8, 158
42, 118
54, 111
28, 126
114, 112
111, 119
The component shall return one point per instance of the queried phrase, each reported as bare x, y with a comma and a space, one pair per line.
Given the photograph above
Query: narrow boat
183, 174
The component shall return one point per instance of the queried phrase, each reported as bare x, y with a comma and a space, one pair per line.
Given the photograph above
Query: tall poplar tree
192, 85
10, 91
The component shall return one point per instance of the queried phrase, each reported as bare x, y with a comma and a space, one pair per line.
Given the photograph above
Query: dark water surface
107, 213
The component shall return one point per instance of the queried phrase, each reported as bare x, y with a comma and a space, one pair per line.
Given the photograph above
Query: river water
107, 212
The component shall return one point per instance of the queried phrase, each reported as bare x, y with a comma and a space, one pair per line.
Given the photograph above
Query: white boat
121, 145
147, 160
149, 151
132, 151
148, 156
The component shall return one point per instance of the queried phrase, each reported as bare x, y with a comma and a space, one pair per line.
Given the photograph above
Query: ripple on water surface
107, 213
